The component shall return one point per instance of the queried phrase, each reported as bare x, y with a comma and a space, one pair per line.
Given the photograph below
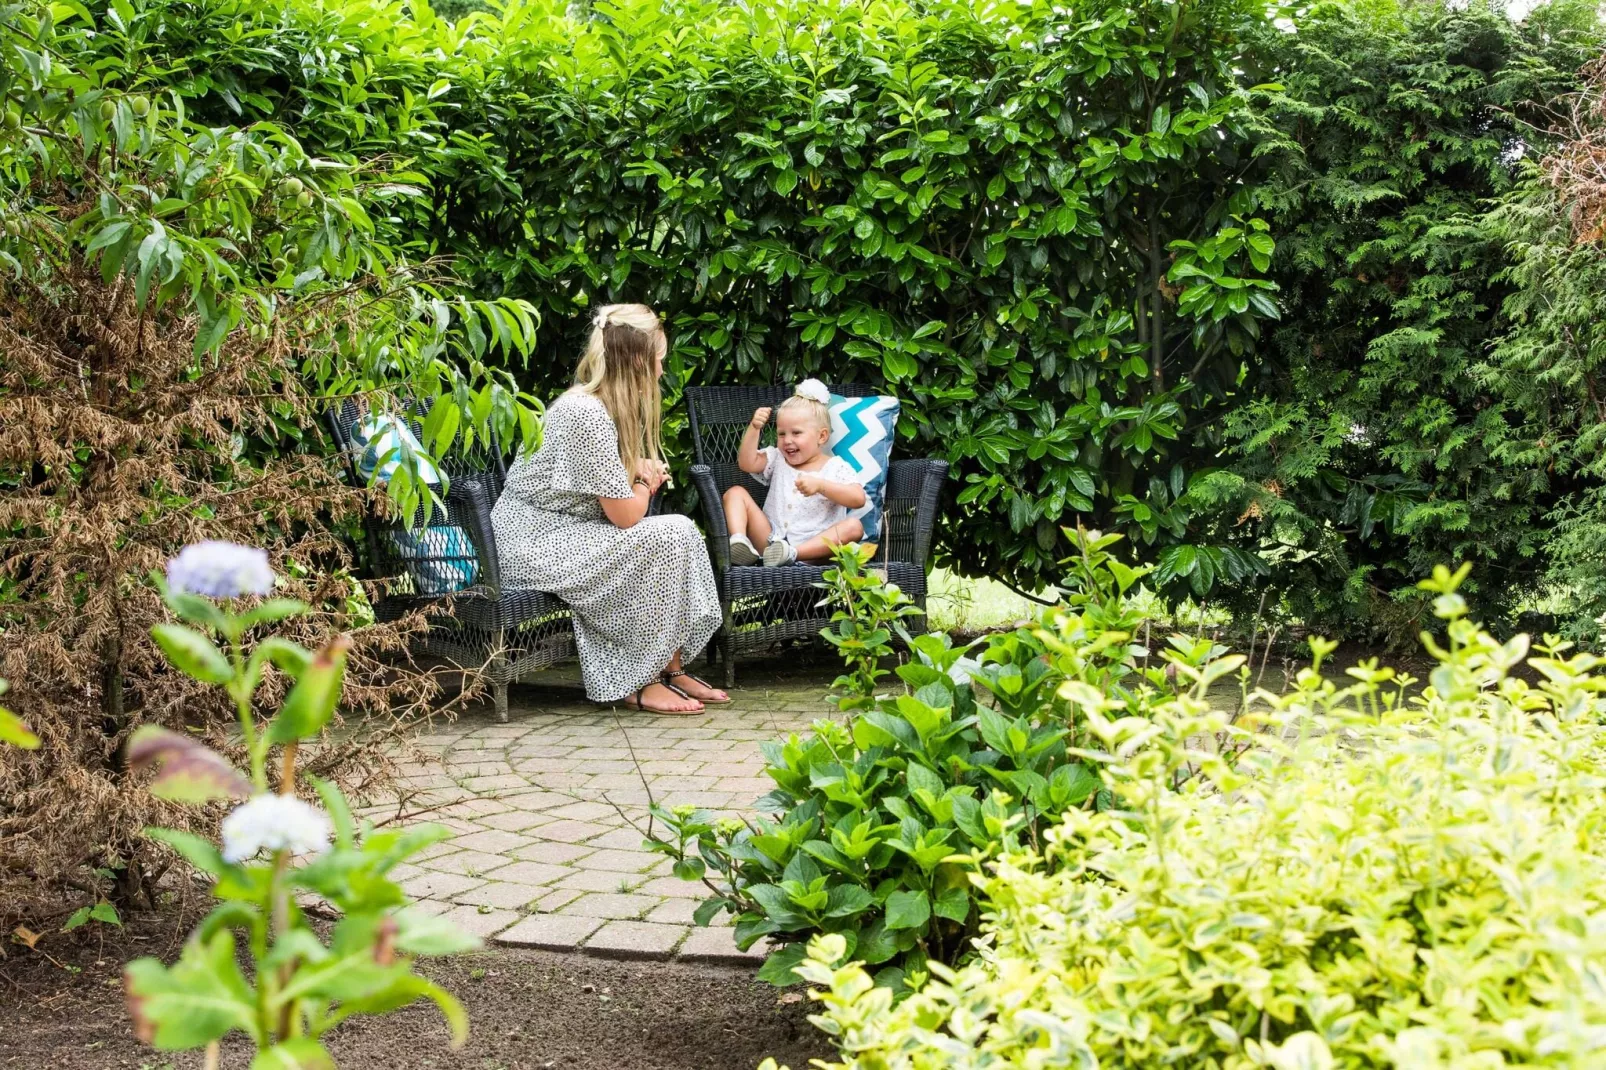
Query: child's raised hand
808, 483
760, 418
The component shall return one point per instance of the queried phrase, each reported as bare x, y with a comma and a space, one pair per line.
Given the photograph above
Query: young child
805, 515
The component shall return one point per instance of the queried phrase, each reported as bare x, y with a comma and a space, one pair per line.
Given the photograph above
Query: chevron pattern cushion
379, 438
861, 434
441, 558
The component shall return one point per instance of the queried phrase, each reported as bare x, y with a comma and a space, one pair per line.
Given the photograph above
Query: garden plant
277, 847
1387, 875
179, 300
1264, 289
880, 821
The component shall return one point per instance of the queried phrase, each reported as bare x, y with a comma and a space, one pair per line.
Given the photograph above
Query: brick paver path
549, 809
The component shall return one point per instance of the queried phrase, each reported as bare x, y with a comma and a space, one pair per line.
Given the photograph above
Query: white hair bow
814, 390
601, 318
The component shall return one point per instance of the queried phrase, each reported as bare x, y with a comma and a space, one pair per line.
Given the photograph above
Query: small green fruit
13, 121
293, 187
280, 263
108, 108
140, 105
304, 199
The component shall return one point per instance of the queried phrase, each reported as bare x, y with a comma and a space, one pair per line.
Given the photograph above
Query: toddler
805, 515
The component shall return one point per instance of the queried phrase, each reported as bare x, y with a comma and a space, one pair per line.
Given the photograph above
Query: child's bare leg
744, 517
821, 546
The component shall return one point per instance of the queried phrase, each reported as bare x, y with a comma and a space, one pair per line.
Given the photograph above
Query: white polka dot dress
638, 594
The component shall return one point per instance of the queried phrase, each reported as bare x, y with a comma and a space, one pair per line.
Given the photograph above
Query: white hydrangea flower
220, 569
274, 823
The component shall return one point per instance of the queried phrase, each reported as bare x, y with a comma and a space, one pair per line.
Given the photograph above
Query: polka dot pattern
638, 594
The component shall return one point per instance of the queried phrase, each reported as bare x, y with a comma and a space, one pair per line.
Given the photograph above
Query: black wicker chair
483, 627
766, 606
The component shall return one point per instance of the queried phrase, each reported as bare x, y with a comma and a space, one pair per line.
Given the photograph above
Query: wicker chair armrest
719, 540
470, 501
922, 481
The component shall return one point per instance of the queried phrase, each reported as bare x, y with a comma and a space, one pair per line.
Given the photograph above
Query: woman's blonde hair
618, 368
811, 397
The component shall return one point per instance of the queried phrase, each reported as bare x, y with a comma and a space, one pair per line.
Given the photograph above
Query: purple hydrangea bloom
220, 570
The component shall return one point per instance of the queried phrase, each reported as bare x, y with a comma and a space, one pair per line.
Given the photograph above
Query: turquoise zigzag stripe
853, 429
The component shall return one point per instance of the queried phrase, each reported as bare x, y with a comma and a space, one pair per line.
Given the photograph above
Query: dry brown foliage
117, 447
1576, 168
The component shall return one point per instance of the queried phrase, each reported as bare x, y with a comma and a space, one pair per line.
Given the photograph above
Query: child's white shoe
743, 552
780, 552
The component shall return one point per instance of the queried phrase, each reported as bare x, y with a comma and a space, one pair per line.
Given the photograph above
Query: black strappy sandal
635, 702
667, 679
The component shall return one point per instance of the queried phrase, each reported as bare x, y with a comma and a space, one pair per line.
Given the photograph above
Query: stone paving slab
549, 812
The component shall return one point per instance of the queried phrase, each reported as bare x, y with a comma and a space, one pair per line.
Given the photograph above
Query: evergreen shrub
1388, 877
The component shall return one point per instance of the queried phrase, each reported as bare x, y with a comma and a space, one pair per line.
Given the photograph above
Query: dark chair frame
767, 606
486, 628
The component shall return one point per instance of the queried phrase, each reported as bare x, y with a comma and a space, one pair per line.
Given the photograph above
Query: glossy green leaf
311, 703
193, 653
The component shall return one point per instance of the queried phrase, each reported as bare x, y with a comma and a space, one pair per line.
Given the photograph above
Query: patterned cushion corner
441, 559
379, 438
861, 434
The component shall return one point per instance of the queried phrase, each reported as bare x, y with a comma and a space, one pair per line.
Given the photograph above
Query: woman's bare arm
628, 512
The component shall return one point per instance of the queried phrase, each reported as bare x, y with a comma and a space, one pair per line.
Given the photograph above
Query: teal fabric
861, 434
379, 439
441, 559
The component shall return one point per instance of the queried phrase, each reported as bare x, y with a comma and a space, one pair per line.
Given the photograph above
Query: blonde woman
573, 521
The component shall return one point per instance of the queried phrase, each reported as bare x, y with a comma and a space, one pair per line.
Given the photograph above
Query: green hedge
1039, 228
1382, 431
971, 205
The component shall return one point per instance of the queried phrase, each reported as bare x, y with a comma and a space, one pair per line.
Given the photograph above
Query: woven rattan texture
768, 606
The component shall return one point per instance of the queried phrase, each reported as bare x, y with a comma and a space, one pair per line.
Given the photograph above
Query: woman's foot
743, 552
681, 680
661, 698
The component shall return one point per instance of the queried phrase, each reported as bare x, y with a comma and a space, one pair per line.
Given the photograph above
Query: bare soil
62, 1006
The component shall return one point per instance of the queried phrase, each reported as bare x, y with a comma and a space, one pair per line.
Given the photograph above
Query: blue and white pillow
861, 434
442, 558
379, 438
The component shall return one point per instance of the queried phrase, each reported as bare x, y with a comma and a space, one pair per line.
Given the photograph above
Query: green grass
956, 602
977, 605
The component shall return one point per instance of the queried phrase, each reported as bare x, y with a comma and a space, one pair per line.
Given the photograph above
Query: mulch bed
528, 1010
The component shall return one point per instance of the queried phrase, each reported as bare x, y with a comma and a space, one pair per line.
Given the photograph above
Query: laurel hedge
1140, 265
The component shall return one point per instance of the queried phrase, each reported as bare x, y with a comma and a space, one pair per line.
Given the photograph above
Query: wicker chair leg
728, 651
499, 675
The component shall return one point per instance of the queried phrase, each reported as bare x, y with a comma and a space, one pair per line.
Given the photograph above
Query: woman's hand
760, 418
652, 473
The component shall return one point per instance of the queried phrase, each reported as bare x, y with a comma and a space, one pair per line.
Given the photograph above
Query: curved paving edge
547, 813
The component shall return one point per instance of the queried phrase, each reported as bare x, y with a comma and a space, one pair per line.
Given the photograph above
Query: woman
573, 521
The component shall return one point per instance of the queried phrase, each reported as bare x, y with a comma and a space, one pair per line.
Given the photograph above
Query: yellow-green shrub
1379, 882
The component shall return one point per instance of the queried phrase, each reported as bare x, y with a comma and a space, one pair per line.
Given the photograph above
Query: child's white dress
794, 516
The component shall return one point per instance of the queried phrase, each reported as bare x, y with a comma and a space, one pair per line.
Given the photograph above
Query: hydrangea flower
220, 570
274, 823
